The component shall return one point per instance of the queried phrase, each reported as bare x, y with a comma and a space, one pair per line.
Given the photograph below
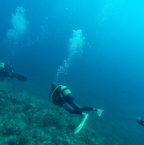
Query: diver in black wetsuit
62, 97
140, 121
7, 71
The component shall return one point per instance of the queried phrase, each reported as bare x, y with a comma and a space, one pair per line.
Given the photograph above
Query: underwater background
94, 47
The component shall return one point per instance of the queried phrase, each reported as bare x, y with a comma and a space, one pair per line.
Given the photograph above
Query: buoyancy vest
63, 90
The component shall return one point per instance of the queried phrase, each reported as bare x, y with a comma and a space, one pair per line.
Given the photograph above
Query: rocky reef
27, 120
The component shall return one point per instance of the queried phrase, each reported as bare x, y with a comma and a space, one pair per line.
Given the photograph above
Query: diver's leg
69, 99
98, 111
88, 109
70, 109
78, 108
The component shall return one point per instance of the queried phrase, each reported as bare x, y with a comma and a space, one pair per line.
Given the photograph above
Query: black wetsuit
6, 72
141, 122
67, 102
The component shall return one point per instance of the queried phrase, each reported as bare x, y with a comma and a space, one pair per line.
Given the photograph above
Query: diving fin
20, 77
81, 124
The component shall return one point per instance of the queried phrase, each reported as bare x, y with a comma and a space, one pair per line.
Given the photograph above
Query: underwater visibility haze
94, 47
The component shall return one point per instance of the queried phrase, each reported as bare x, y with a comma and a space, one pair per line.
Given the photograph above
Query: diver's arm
140, 121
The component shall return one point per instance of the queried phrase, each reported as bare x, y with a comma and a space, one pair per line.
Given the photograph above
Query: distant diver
7, 71
62, 97
140, 121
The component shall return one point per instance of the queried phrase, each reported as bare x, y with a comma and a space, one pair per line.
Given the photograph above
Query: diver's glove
138, 119
99, 112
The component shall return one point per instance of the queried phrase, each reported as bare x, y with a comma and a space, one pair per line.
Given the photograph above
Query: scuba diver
62, 97
7, 71
140, 121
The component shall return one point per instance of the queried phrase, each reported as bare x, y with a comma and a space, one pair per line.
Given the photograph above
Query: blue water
110, 72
